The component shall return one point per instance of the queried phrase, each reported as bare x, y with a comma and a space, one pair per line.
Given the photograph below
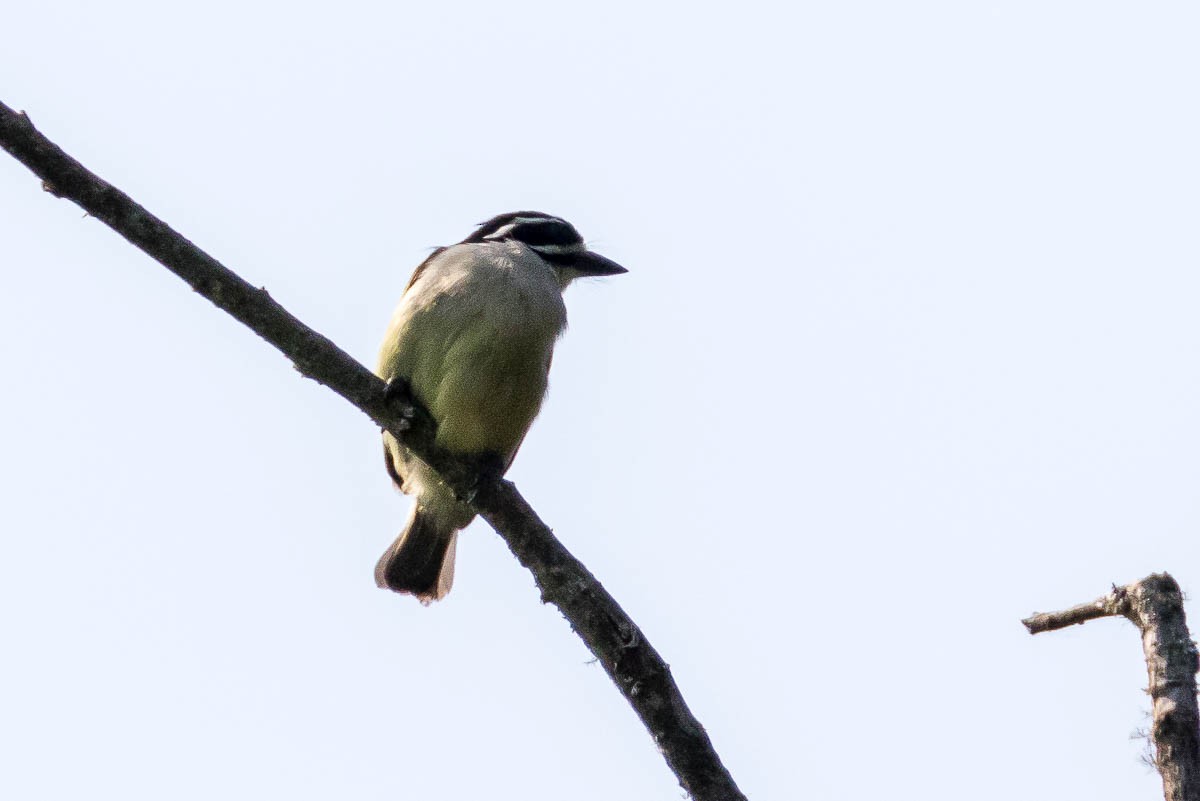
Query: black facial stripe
545, 232
560, 258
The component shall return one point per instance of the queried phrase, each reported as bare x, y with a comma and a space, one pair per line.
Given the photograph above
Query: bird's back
473, 336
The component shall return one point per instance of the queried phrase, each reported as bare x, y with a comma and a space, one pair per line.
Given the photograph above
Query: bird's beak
590, 263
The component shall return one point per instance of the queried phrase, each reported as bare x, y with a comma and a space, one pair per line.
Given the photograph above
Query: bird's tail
421, 560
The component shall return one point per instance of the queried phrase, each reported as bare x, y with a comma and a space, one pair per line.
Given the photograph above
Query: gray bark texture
618, 644
1155, 606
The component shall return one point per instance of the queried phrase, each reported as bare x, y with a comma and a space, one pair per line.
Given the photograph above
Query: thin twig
1155, 606
635, 667
1114, 603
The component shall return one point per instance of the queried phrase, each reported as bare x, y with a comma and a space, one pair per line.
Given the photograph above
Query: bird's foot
398, 394
487, 467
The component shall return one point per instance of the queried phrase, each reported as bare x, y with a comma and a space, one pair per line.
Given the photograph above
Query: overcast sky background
907, 350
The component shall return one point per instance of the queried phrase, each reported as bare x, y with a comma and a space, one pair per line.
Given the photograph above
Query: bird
471, 341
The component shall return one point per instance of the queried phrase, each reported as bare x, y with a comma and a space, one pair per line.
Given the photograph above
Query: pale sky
907, 351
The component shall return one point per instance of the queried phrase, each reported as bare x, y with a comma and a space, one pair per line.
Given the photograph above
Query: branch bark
619, 645
1155, 606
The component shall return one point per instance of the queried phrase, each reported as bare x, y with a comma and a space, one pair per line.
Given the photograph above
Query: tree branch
1155, 606
619, 645
1109, 605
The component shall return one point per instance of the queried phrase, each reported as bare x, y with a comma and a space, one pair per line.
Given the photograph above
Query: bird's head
552, 238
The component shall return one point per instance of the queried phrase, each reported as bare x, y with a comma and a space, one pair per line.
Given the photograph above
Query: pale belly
487, 393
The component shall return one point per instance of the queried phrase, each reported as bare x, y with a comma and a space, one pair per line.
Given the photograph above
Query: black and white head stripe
552, 238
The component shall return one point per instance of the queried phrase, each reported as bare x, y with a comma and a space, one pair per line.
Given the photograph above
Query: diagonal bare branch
634, 666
